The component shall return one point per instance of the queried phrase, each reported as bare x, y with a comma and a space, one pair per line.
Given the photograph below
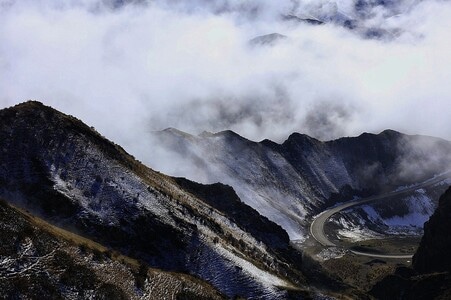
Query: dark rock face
433, 255
369, 160
224, 198
426, 287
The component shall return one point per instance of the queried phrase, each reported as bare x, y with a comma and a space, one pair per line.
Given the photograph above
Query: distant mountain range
291, 182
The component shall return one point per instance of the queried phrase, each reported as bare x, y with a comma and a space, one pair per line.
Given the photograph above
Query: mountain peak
390, 133
34, 107
31, 103
175, 131
30, 106
300, 138
268, 39
224, 134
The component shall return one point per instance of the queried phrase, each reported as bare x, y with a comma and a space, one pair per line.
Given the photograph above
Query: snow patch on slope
352, 230
420, 207
374, 220
265, 278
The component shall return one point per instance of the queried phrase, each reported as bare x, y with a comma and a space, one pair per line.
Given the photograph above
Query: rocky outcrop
224, 198
433, 254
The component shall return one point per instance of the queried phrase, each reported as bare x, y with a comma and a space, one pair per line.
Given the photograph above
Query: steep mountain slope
292, 181
433, 253
65, 172
37, 262
224, 199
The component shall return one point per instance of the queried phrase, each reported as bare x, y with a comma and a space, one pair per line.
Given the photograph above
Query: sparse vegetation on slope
41, 261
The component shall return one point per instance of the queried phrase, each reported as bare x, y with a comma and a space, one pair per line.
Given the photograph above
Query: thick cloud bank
129, 68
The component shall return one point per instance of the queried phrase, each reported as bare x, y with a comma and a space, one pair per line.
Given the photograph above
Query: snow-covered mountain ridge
291, 182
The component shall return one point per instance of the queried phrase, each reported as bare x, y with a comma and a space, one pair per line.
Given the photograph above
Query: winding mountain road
317, 225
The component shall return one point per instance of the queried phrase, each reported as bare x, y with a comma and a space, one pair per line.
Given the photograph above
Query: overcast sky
189, 64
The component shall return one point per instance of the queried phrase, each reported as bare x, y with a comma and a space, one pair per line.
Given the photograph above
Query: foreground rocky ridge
38, 261
65, 172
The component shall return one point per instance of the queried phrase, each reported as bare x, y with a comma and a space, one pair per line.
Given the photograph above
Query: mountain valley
225, 149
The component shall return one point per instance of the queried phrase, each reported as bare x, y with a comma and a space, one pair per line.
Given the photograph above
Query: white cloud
188, 64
